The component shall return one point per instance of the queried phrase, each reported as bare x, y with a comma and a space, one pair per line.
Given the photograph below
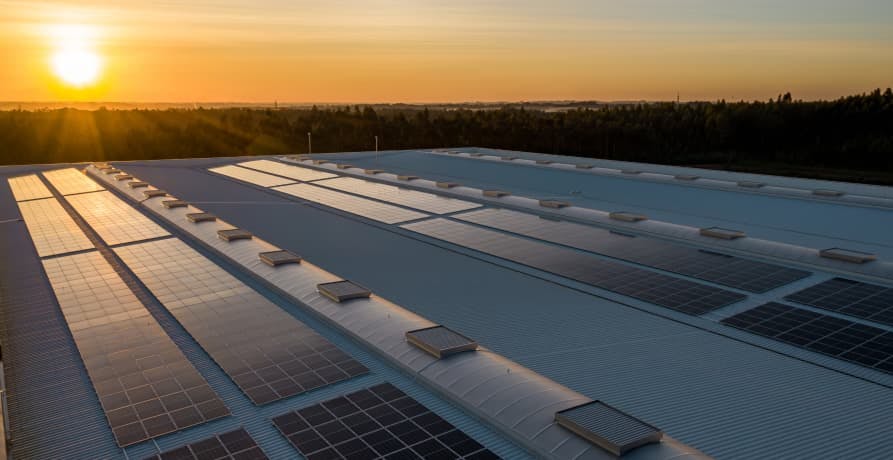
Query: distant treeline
853, 133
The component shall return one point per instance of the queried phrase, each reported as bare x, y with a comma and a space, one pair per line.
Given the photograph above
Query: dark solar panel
340, 291
232, 445
748, 275
608, 427
440, 341
678, 294
379, 422
854, 298
858, 343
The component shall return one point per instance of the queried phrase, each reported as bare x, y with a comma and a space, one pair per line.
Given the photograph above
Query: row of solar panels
398, 333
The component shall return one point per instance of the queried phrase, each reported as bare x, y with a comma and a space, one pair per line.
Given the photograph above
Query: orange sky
438, 51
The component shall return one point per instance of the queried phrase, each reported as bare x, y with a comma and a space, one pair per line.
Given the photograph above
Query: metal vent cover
750, 184
554, 204
475, 155
281, 257
344, 290
344, 166
543, 162
407, 177
137, 184
826, 192
121, 177
847, 255
627, 216
154, 193
495, 193
583, 166
722, 233
197, 217
170, 204
688, 177
608, 427
321, 162
630, 171
509, 158
234, 234
373, 171
447, 184
112, 171
440, 341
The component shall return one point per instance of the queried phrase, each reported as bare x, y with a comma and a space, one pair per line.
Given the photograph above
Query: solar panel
341, 291
847, 255
440, 341
858, 343
678, 294
268, 353
29, 187
234, 234
145, 384
70, 181
115, 221
853, 298
232, 445
608, 427
52, 230
374, 210
289, 171
251, 176
719, 268
374, 423
198, 217
281, 257
422, 201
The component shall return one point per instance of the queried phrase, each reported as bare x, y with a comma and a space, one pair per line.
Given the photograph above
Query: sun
75, 60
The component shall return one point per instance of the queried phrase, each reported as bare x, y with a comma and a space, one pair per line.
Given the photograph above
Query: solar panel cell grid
422, 201
370, 209
71, 181
232, 445
251, 176
379, 422
854, 298
28, 188
115, 221
52, 230
289, 171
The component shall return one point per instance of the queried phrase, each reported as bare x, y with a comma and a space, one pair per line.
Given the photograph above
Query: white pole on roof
309, 144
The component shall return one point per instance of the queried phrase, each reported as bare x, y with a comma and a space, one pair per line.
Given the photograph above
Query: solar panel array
722, 269
858, 343
145, 384
28, 187
422, 201
379, 422
52, 230
678, 294
115, 221
370, 209
854, 298
232, 445
251, 176
70, 181
284, 170
268, 353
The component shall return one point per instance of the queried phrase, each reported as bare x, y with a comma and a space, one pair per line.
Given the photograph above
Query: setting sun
74, 60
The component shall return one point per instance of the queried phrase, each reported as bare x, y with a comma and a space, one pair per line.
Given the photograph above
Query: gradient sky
453, 50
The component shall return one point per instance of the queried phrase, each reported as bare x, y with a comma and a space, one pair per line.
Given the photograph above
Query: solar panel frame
251, 176
115, 221
52, 229
867, 301
427, 202
30, 187
70, 181
381, 212
231, 445
298, 173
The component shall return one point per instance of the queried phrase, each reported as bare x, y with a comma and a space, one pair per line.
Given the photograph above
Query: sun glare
75, 60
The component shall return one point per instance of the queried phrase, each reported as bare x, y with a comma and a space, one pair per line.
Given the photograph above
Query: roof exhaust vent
102, 165
137, 184
583, 166
373, 171
543, 162
630, 171
197, 217
341, 291
344, 166
627, 216
722, 233
495, 193
321, 162
234, 234
447, 184
407, 177
171, 204
607, 427
750, 184
509, 158
121, 177
452, 152
440, 341
112, 171
847, 255
554, 204
829, 193
281, 257
154, 193
688, 177
475, 155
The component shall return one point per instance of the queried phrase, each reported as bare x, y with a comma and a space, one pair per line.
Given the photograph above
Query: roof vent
627, 216
476, 155
555, 204
495, 193
825, 192
607, 427
722, 233
281, 257
543, 162
197, 217
373, 171
170, 204
407, 177
440, 341
344, 290
154, 193
121, 177
584, 166
102, 165
344, 166
630, 171
750, 184
453, 152
112, 171
321, 162
509, 158
234, 234
447, 184
137, 184
847, 255
688, 177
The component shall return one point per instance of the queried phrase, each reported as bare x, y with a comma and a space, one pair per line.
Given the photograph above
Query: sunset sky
436, 51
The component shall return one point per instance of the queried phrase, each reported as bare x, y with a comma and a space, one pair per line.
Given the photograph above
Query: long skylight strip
146, 386
115, 221
251, 176
422, 201
28, 187
70, 181
284, 170
374, 210
53, 231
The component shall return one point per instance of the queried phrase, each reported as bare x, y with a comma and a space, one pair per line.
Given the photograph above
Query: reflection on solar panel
268, 353
678, 294
722, 269
427, 202
376, 423
52, 229
608, 427
146, 386
28, 188
284, 170
70, 181
854, 298
865, 345
115, 221
233, 445
353, 204
251, 176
